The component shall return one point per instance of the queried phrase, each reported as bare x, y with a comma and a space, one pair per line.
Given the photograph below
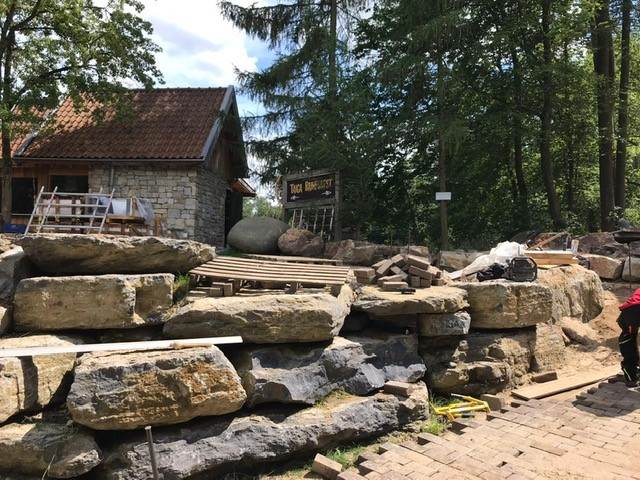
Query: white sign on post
443, 196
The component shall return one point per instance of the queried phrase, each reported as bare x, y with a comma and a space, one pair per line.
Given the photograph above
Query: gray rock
502, 304
61, 253
92, 302
5, 320
31, 383
355, 322
261, 319
353, 252
379, 303
576, 292
602, 243
303, 374
14, 266
123, 391
441, 324
257, 234
299, 242
607, 268
578, 331
59, 450
453, 260
631, 273
489, 362
210, 447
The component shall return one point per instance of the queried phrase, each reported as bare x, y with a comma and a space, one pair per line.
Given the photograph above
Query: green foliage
346, 455
261, 207
181, 286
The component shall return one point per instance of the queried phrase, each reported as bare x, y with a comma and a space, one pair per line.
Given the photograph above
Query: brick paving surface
595, 435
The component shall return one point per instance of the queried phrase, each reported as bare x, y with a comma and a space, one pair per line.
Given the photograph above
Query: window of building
23, 195
70, 183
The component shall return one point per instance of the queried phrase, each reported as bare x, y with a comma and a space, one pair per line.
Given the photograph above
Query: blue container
14, 228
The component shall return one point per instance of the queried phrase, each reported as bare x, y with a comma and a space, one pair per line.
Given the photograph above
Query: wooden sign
318, 187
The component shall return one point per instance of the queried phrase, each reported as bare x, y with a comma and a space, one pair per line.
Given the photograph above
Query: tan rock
576, 291
31, 383
5, 320
264, 318
379, 303
300, 242
502, 304
59, 450
578, 331
92, 302
61, 253
457, 259
123, 391
607, 268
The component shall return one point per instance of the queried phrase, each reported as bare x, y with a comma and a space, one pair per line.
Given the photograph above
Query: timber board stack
402, 271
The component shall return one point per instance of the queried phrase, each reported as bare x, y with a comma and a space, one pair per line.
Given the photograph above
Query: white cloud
200, 47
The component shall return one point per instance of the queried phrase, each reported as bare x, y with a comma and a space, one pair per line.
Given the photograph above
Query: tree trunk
623, 107
602, 62
442, 157
545, 134
523, 194
333, 47
7, 165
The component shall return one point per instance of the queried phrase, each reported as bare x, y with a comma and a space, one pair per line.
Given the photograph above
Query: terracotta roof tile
168, 123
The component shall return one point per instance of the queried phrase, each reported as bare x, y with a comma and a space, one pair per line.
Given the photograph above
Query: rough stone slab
211, 446
490, 362
501, 304
263, 318
457, 259
632, 275
92, 302
441, 324
5, 320
61, 253
357, 364
60, 450
576, 291
376, 302
607, 268
123, 391
300, 242
578, 331
29, 384
14, 266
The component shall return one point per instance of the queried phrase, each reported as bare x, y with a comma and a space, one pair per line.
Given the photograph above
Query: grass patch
334, 396
230, 252
436, 425
181, 286
346, 455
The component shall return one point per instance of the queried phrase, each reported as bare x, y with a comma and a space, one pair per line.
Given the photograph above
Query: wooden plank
542, 390
118, 346
298, 267
222, 275
293, 259
278, 273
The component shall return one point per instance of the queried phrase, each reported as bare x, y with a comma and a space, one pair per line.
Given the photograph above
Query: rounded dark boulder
257, 234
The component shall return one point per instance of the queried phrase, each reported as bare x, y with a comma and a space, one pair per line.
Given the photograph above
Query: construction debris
402, 271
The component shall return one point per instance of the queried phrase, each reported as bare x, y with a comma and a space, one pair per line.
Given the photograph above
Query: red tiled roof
166, 123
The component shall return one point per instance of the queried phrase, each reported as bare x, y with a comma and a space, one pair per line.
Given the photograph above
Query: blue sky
200, 48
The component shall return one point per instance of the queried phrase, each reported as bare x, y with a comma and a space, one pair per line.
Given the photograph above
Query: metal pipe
152, 453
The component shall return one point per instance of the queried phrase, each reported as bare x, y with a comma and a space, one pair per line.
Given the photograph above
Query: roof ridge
182, 89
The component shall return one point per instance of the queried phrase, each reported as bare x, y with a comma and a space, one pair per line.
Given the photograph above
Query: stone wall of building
190, 199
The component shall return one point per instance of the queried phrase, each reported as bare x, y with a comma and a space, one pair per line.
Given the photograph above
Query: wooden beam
119, 346
542, 390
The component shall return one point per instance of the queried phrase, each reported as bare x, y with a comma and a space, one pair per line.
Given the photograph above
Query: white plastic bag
501, 253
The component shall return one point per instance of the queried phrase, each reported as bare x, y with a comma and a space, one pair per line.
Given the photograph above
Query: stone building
180, 148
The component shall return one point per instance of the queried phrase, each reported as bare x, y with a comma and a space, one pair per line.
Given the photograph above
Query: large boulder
92, 302
602, 243
353, 252
299, 242
123, 391
48, 450
282, 318
211, 447
257, 234
502, 304
302, 374
443, 324
31, 383
489, 362
454, 260
631, 270
14, 266
379, 303
576, 291
61, 253
607, 268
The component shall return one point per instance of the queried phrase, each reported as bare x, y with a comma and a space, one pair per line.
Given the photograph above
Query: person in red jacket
629, 321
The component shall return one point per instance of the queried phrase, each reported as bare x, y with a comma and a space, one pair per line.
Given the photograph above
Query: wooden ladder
46, 201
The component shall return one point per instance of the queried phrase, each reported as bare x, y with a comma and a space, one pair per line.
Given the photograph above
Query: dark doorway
70, 183
23, 193
232, 211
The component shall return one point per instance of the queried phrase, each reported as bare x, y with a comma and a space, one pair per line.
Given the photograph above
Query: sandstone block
326, 467
376, 302
578, 331
61, 253
299, 242
453, 260
59, 450
123, 391
31, 383
14, 266
261, 319
92, 302
607, 268
501, 304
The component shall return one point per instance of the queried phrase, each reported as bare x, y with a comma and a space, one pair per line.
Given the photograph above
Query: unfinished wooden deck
595, 435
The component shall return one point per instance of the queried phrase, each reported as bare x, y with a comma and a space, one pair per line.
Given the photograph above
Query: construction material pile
402, 271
